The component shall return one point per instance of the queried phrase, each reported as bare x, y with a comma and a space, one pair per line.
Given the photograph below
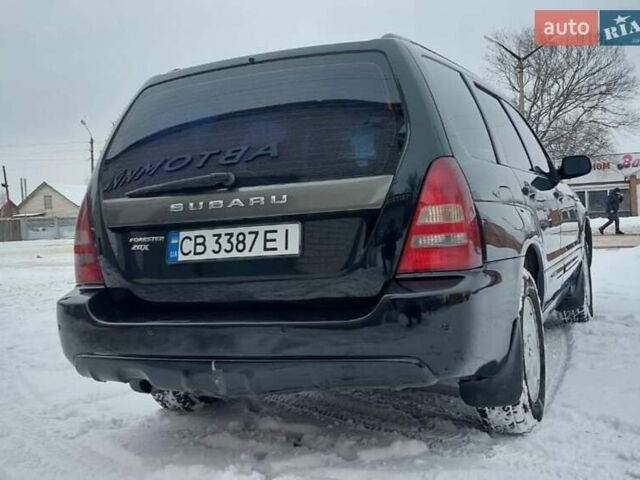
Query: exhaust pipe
141, 386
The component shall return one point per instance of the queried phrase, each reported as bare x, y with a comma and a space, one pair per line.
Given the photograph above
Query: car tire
527, 412
176, 401
578, 307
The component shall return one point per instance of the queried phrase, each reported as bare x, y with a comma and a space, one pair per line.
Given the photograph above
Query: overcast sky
66, 60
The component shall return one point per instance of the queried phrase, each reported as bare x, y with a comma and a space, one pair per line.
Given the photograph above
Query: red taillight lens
444, 233
84, 250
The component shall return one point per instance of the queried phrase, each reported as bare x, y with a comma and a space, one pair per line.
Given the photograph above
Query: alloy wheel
531, 346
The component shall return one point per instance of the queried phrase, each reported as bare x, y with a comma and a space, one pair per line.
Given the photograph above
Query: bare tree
574, 97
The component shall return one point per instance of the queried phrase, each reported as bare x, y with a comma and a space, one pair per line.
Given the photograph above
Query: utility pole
84, 124
91, 148
5, 185
520, 62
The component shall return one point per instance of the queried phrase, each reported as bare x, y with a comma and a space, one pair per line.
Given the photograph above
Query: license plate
238, 242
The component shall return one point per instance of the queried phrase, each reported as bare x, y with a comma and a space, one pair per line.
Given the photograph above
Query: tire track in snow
559, 345
27, 407
415, 414
380, 412
45, 447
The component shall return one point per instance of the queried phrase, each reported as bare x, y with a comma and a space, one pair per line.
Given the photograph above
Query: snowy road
55, 424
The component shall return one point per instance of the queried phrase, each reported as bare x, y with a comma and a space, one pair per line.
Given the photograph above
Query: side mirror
574, 166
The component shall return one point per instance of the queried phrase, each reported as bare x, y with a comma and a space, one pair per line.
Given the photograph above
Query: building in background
47, 213
53, 201
8, 210
620, 170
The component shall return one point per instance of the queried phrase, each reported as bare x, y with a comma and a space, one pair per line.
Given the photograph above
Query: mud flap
575, 298
503, 388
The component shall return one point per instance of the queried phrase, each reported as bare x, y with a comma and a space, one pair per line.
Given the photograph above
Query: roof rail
405, 39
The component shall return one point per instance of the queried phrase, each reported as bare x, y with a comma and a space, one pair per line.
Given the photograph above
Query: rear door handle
528, 191
558, 194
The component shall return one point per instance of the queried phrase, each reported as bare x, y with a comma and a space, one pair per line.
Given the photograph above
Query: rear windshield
311, 118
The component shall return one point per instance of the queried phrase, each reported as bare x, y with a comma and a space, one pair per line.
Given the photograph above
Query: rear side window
510, 148
536, 153
312, 118
460, 115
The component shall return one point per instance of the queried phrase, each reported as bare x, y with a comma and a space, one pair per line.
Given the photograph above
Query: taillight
84, 250
444, 233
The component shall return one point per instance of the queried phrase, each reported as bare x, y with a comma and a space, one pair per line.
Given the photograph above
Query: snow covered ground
55, 424
629, 225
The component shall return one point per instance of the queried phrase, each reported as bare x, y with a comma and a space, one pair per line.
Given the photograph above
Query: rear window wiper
211, 181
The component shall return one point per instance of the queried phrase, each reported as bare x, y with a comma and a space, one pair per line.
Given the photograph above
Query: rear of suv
363, 215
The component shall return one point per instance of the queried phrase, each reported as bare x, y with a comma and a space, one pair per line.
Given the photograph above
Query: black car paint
456, 326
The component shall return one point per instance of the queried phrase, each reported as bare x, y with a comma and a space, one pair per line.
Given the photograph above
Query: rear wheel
176, 401
525, 414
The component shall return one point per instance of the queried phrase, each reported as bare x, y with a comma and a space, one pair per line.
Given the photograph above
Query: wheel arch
534, 264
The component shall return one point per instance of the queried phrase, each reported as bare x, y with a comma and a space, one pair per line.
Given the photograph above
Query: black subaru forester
362, 215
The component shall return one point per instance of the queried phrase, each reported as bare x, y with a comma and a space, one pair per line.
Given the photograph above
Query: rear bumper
425, 331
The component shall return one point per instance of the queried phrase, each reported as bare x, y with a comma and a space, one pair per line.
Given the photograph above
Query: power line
39, 154
30, 145
32, 161
19, 145
44, 148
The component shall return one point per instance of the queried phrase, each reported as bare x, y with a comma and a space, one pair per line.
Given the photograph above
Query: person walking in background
614, 199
